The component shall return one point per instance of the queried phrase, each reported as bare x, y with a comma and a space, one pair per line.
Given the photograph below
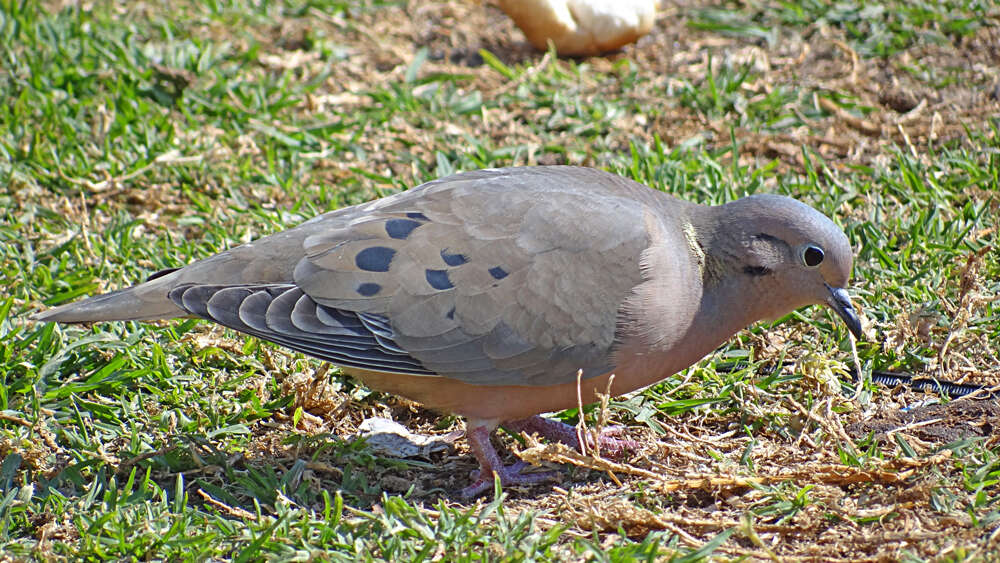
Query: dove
582, 27
485, 293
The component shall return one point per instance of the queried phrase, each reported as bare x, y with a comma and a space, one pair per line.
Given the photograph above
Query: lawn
137, 136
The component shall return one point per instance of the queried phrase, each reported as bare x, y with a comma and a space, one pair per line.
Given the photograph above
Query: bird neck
722, 310
735, 292
731, 304
691, 302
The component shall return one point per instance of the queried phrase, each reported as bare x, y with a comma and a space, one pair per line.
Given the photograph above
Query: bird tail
144, 302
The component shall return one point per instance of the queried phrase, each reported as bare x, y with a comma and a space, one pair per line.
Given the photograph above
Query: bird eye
812, 256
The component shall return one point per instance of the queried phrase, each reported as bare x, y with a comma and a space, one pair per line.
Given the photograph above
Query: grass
137, 138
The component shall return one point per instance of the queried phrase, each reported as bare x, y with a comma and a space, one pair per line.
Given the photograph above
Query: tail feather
269, 260
144, 302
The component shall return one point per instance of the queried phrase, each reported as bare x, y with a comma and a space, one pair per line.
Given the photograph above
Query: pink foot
562, 432
490, 464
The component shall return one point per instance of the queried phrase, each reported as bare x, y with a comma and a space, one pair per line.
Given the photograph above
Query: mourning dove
484, 293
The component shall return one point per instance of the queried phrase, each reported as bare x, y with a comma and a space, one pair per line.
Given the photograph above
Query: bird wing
496, 277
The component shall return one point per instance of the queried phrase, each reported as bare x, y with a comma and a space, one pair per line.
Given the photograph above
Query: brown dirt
936, 423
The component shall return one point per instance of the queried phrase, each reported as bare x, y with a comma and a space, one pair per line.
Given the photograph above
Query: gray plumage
496, 277
485, 292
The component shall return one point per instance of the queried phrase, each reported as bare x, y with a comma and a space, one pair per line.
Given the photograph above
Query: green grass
875, 30
136, 140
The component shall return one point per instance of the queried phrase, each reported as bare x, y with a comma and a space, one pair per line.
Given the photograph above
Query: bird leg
561, 432
490, 464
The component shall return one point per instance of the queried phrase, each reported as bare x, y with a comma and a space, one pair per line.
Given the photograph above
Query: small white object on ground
582, 27
391, 439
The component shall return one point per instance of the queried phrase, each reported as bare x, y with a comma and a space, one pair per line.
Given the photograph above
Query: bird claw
490, 464
607, 444
613, 447
509, 475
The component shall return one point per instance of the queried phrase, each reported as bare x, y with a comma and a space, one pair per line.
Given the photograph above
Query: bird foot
490, 463
508, 474
607, 443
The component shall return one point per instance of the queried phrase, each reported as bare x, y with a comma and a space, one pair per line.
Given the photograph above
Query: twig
906, 139
230, 510
530, 73
913, 113
866, 127
602, 415
912, 425
128, 463
857, 365
16, 419
855, 61
581, 424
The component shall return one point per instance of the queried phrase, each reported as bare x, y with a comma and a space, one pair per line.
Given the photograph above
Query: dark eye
812, 256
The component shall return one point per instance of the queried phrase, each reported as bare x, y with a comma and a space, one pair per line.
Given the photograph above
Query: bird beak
841, 303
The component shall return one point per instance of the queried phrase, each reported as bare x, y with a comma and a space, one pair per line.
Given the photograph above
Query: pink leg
490, 463
561, 432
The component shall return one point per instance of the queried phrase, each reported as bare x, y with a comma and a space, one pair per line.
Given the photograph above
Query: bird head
790, 253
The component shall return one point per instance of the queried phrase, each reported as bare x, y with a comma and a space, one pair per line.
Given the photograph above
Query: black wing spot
498, 273
368, 289
375, 258
400, 228
438, 279
451, 314
756, 270
453, 259
417, 215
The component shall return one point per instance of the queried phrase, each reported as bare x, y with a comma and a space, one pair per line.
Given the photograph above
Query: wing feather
496, 277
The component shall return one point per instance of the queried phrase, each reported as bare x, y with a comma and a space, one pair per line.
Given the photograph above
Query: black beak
841, 303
